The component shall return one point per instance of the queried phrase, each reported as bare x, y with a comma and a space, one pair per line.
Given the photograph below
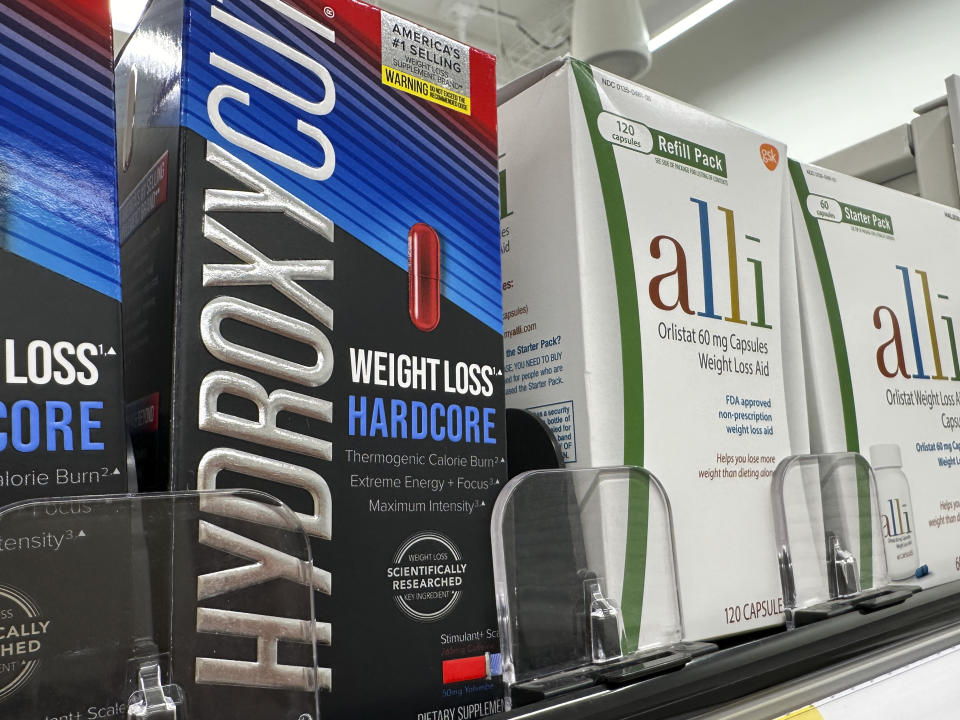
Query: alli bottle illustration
896, 511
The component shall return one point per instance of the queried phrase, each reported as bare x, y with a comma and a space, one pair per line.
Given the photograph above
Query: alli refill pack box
648, 322
310, 244
61, 410
880, 303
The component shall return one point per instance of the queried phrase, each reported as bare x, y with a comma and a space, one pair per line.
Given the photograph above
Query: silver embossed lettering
228, 308
314, 107
311, 172
261, 270
264, 430
269, 564
264, 195
318, 524
267, 670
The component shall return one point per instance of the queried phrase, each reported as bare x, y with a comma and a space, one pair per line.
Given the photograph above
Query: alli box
881, 302
310, 246
644, 276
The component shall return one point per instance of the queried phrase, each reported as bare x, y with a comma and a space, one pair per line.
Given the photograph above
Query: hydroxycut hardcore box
62, 635
309, 222
880, 302
644, 275
61, 421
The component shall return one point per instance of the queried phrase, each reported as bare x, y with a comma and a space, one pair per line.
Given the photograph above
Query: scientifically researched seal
23, 631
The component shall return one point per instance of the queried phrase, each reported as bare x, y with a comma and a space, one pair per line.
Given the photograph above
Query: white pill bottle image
896, 512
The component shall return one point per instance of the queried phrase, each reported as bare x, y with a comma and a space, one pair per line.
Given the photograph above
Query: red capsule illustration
423, 259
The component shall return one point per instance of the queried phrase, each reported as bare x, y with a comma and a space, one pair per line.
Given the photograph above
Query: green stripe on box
843, 373
625, 277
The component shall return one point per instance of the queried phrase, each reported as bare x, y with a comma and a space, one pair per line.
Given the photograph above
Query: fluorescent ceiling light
126, 13
684, 24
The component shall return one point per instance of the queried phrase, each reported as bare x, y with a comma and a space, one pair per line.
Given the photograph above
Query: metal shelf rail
774, 675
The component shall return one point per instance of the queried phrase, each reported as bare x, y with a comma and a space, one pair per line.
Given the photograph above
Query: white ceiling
522, 33
818, 74
441, 14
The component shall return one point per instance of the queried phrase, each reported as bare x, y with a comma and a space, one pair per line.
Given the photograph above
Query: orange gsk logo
770, 156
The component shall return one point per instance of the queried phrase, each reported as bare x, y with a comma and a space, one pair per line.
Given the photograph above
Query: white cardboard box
643, 274
880, 296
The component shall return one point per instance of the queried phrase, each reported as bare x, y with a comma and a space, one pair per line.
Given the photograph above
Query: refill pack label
62, 634
310, 224
880, 305
643, 319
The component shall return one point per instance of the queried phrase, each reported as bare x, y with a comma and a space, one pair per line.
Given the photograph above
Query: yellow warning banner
426, 90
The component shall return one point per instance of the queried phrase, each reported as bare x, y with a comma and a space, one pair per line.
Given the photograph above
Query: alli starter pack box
61, 410
309, 224
648, 320
880, 302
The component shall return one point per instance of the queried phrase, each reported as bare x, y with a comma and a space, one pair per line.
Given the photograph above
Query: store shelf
777, 674
859, 688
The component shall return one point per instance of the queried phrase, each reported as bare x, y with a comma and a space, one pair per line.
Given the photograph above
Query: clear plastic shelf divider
170, 607
586, 581
829, 538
